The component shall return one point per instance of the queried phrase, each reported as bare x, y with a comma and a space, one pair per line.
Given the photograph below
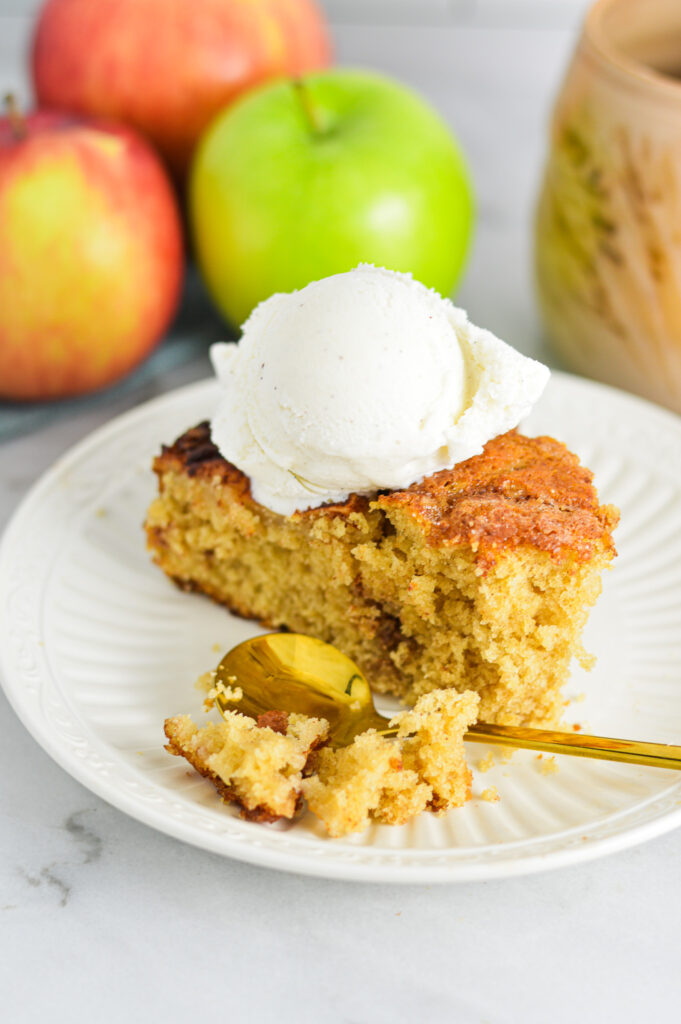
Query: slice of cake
479, 577
267, 766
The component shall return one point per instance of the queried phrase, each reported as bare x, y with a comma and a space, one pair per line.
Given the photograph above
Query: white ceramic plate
98, 648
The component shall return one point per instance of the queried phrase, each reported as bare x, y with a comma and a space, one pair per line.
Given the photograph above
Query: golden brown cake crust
518, 491
259, 814
478, 578
273, 722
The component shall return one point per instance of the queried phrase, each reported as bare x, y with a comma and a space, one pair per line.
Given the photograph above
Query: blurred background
491, 68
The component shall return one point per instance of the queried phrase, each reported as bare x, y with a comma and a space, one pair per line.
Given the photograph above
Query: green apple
309, 177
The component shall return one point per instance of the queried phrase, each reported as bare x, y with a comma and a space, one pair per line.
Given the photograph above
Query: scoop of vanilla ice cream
362, 382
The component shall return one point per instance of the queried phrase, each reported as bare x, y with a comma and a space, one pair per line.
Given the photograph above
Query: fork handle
659, 755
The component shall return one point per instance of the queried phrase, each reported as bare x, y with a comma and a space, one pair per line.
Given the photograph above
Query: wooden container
608, 228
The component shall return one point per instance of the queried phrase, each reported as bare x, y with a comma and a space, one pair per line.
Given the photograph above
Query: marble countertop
103, 918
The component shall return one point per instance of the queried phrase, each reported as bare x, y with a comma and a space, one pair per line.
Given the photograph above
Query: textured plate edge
302, 864
282, 859
293, 863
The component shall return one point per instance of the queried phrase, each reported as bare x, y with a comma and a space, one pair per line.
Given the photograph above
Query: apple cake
267, 766
479, 578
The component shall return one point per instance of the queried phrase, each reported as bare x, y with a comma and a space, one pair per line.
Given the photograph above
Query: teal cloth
195, 327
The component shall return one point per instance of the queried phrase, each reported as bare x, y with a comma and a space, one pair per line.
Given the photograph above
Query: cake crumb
228, 692
206, 681
212, 686
490, 795
258, 765
486, 763
549, 766
585, 658
268, 766
216, 647
390, 780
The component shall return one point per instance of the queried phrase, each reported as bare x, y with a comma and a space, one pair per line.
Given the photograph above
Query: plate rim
301, 861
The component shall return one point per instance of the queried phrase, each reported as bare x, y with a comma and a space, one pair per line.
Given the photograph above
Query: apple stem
309, 109
15, 117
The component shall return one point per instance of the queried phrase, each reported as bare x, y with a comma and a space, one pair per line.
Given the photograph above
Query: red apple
168, 66
91, 254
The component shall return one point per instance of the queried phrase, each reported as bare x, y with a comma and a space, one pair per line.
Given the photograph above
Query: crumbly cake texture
267, 766
480, 577
256, 764
390, 781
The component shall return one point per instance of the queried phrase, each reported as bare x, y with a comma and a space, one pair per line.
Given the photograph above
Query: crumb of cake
366, 780
267, 765
576, 727
485, 763
585, 658
212, 686
392, 780
432, 743
206, 681
216, 647
480, 577
548, 766
499, 755
230, 693
580, 698
490, 795
256, 764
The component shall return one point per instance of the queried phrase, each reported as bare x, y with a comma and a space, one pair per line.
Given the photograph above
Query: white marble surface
102, 918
